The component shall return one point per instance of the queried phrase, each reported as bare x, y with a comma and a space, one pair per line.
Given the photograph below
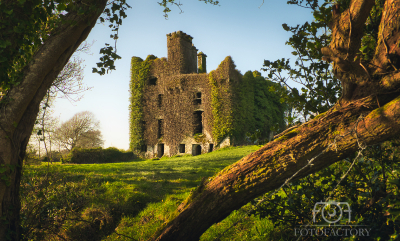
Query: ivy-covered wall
259, 110
139, 75
177, 108
170, 95
222, 100
243, 105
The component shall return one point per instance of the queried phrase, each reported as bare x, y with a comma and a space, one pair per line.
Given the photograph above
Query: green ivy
240, 107
6, 171
259, 109
255, 108
222, 121
139, 74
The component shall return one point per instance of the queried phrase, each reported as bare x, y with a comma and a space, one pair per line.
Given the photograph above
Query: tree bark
273, 164
368, 113
19, 114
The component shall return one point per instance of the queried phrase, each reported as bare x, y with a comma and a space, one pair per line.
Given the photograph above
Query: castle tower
182, 55
201, 61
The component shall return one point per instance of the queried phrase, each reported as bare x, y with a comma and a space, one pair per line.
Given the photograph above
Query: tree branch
388, 38
47, 63
278, 161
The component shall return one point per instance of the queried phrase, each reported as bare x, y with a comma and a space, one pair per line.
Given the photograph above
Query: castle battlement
180, 34
182, 54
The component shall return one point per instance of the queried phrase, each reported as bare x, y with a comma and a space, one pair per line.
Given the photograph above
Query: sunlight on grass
139, 196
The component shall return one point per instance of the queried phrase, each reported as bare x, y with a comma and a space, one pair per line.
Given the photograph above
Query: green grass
112, 201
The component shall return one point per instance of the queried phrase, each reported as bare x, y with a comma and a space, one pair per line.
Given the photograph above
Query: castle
176, 107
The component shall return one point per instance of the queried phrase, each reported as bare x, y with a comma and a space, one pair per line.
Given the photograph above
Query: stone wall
182, 55
177, 102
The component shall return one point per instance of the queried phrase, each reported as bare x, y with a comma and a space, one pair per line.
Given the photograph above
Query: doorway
196, 149
160, 150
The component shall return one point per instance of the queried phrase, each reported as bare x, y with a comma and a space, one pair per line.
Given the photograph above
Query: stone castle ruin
177, 107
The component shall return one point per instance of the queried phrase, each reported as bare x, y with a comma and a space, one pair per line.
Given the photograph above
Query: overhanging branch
273, 164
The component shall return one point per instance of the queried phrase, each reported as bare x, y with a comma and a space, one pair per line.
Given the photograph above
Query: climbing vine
245, 107
167, 106
139, 74
222, 116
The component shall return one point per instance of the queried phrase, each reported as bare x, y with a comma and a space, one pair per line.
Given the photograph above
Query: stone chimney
201, 62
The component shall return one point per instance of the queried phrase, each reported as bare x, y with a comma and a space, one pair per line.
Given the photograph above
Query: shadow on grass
125, 189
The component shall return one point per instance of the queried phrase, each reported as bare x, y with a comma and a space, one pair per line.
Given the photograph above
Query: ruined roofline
180, 34
201, 53
182, 54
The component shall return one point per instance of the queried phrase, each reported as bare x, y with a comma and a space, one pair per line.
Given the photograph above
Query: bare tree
68, 85
82, 130
69, 82
43, 132
90, 139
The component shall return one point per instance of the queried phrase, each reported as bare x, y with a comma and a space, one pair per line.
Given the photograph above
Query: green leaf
285, 27
395, 181
4, 44
394, 211
61, 7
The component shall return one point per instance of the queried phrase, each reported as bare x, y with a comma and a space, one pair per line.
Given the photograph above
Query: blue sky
238, 28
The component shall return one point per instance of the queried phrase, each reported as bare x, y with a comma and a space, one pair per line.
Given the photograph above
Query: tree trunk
19, 114
368, 113
273, 164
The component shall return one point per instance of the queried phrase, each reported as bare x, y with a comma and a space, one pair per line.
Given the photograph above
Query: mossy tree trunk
371, 90
19, 114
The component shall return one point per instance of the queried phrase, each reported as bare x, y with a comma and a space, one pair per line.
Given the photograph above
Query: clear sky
238, 28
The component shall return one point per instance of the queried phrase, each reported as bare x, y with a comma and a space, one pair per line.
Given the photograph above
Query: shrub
55, 157
94, 223
371, 188
97, 155
48, 201
31, 160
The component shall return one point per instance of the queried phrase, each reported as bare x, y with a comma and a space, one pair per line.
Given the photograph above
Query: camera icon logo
332, 211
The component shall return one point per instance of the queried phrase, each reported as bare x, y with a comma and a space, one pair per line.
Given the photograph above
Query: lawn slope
121, 201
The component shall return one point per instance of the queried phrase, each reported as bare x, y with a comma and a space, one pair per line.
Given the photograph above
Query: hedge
97, 155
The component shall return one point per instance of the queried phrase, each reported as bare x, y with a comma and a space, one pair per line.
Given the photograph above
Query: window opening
198, 122
160, 100
197, 99
182, 148
160, 128
153, 81
144, 148
211, 148
144, 126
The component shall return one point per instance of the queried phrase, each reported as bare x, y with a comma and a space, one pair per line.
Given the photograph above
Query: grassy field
125, 201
